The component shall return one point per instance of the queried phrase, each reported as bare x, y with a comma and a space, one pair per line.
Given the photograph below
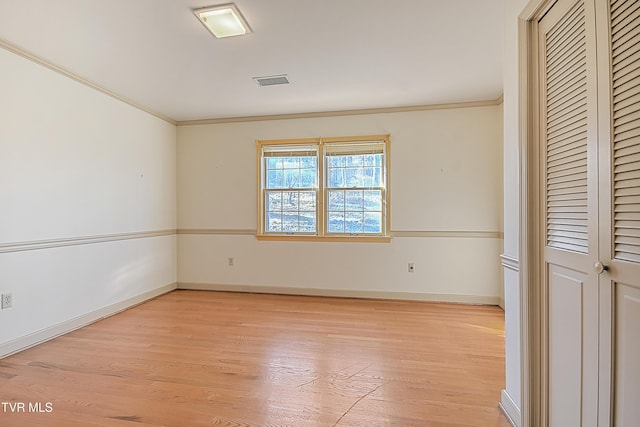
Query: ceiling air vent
272, 80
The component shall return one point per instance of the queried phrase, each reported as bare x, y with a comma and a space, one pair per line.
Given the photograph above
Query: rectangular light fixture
224, 20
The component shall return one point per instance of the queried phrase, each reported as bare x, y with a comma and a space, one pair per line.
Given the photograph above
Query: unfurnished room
320, 213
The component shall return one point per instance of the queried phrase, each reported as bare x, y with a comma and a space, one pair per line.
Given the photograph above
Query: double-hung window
325, 188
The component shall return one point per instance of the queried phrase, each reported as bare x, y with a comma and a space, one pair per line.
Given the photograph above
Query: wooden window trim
322, 235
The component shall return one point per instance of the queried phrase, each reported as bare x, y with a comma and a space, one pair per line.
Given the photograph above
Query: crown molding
319, 114
338, 113
60, 70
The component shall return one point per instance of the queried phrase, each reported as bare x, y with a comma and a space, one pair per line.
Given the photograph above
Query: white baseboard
344, 293
27, 341
510, 409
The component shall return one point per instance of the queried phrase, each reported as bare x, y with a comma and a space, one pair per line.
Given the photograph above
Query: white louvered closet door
569, 145
620, 212
589, 110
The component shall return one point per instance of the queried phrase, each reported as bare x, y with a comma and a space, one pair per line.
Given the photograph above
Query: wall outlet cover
6, 300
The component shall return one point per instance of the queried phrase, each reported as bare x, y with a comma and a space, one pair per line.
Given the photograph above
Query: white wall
78, 167
511, 398
446, 175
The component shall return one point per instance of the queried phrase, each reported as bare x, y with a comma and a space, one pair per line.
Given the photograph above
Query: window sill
310, 238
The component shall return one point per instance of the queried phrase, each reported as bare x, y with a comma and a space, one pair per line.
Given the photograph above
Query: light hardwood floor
195, 358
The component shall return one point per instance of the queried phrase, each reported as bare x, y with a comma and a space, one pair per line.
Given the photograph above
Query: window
333, 188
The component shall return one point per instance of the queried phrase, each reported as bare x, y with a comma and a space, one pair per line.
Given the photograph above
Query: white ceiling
339, 54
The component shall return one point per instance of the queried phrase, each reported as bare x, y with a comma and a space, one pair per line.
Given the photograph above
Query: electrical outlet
7, 300
411, 267
231, 260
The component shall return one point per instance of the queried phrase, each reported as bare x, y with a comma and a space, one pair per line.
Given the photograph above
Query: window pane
336, 161
307, 222
369, 159
354, 200
289, 200
274, 201
291, 178
335, 222
353, 222
308, 178
274, 221
353, 177
274, 179
373, 222
336, 200
336, 178
378, 180
372, 177
291, 162
307, 201
373, 200
289, 222
274, 163
308, 162
354, 160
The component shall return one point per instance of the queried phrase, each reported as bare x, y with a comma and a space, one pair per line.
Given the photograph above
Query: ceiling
338, 54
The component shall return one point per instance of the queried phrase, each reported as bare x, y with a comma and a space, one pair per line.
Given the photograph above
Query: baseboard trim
343, 293
510, 409
33, 339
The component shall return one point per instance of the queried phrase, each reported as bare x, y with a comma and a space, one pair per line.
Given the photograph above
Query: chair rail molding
510, 262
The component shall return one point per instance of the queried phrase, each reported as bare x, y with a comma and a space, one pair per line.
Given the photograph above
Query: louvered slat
566, 133
625, 47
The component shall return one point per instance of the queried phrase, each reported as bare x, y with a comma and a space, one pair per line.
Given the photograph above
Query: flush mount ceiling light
224, 20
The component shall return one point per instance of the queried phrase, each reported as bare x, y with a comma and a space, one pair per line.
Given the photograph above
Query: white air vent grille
272, 80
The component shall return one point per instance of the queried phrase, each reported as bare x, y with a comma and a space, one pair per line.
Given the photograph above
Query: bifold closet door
620, 232
589, 133
568, 135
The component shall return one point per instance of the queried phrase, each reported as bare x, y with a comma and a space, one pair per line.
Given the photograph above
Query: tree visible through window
334, 187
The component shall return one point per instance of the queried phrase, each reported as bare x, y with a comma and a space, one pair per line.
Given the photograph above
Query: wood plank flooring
196, 358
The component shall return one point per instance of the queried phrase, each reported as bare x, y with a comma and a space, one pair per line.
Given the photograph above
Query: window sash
271, 213
331, 212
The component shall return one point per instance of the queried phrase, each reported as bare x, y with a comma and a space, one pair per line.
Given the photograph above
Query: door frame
533, 296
